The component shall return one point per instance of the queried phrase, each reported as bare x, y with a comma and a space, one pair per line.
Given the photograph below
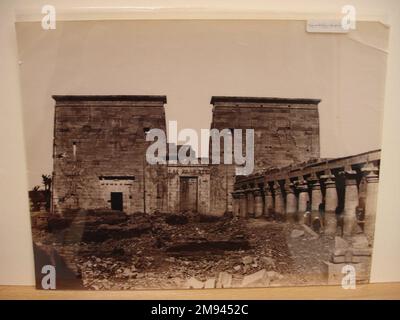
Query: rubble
206, 245
167, 255
268, 262
176, 219
247, 260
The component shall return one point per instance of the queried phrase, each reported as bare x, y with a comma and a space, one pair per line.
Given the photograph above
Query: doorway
117, 201
188, 194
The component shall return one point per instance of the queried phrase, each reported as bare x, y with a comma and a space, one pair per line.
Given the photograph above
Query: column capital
350, 175
289, 186
370, 172
241, 193
328, 177
330, 183
235, 194
267, 190
314, 180
248, 190
276, 187
301, 185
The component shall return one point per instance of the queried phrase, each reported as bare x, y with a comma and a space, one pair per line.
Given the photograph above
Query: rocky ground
175, 251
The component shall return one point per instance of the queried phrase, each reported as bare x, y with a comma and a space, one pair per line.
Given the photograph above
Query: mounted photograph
198, 154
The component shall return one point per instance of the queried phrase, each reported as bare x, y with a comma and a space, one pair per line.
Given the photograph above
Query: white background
16, 258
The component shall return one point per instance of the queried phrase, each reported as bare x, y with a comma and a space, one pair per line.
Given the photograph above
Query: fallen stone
224, 280
340, 252
362, 252
297, 234
310, 232
360, 241
268, 261
334, 273
362, 259
338, 259
247, 260
210, 283
170, 259
272, 275
340, 243
237, 268
129, 273
256, 279
193, 283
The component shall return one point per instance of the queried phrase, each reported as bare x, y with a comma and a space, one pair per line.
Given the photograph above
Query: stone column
242, 204
250, 202
371, 175
331, 202
236, 204
316, 200
303, 199
279, 202
350, 202
316, 194
268, 201
258, 204
291, 201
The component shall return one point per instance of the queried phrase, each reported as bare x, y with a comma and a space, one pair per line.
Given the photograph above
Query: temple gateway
100, 163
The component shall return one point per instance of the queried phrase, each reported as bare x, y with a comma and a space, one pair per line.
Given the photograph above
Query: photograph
199, 154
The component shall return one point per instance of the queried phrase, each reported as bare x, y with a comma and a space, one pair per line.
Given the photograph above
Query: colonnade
330, 191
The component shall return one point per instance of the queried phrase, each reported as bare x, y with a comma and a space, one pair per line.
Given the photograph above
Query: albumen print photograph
191, 154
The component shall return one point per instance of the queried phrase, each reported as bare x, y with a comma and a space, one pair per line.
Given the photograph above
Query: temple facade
100, 163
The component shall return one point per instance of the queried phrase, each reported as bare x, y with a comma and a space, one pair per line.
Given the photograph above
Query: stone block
193, 283
210, 283
340, 243
257, 279
360, 241
297, 233
224, 280
333, 272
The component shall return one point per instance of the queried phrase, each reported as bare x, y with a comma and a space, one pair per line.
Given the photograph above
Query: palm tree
46, 180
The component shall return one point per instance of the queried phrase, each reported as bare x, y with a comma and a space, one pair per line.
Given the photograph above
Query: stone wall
221, 184
202, 173
99, 147
286, 131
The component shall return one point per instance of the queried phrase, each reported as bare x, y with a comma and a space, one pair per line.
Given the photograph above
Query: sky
189, 61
